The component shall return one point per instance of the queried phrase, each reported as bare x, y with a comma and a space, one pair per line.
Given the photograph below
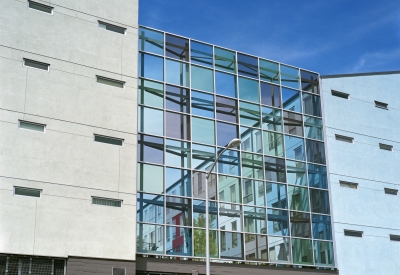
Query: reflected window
273, 144
150, 238
323, 252
256, 247
309, 82
252, 166
254, 220
225, 60
225, 133
296, 173
317, 176
230, 216
177, 73
294, 148
179, 211
228, 163
271, 119
298, 198
151, 93
227, 109
279, 249
248, 90
251, 140
177, 125
181, 243
270, 95
200, 184
150, 149
302, 251
177, 99
151, 41
178, 182
300, 224
225, 84
150, 208
274, 169
203, 130
253, 192
290, 76
229, 189
321, 227
177, 47
177, 153
293, 123
233, 245
150, 178
151, 121
202, 157
151, 66
202, 79
315, 151
319, 201
249, 114
276, 195
313, 128
247, 65
312, 105
291, 100
278, 222
202, 104
201, 54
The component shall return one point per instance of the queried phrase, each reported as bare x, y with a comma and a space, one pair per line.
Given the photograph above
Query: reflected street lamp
234, 143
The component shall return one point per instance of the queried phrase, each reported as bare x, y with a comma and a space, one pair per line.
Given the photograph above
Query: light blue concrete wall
366, 208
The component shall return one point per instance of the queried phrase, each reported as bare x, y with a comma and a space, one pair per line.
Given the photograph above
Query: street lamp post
234, 143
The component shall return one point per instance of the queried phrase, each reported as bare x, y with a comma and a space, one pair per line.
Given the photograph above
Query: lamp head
234, 143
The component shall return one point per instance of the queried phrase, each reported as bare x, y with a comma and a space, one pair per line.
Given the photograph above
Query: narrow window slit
344, 138
340, 94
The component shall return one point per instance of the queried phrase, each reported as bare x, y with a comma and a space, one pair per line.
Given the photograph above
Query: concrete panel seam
360, 134
379, 227
385, 182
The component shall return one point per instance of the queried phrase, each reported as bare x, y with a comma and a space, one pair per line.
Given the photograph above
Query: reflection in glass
254, 220
150, 208
270, 95
293, 123
202, 157
252, 166
201, 54
229, 189
178, 182
247, 65
302, 251
150, 178
321, 227
199, 210
273, 144
178, 211
253, 192
271, 119
225, 133
294, 148
150, 149
202, 104
228, 163
177, 73
203, 130
274, 169
313, 128
269, 71
151, 93
225, 84
199, 242
279, 249
225, 60
151, 66
315, 151
256, 247
278, 222
176, 47
226, 109
177, 126
177, 99
298, 198
296, 173
230, 217
200, 184
179, 241
151, 121
150, 238
276, 195
309, 82
177, 153
202, 79
248, 90
290, 76
319, 201
323, 252
317, 176
231, 245
151, 41
312, 104
291, 100
300, 224
249, 114
251, 140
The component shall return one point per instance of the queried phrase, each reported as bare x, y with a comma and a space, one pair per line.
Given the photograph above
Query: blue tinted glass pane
225, 84
230, 216
273, 144
178, 241
309, 82
269, 71
276, 195
176, 47
228, 163
151, 121
147, 245
177, 153
231, 245
178, 182
199, 211
315, 151
201, 54
248, 90
278, 222
202, 79
151, 41
150, 178
251, 140
202, 104
229, 189
317, 176
290, 77
225, 60
150, 208
291, 100
151, 93
253, 192
247, 65
321, 227
203, 130
177, 99
294, 148
323, 252
202, 157
252, 166
312, 104
271, 119
249, 114
279, 249
177, 73
270, 95
274, 169
151, 66
300, 225
296, 172
225, 133
319, 201
313, 128
150, 149
177, 209
302, 251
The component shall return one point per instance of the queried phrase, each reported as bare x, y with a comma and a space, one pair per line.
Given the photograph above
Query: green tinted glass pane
300, 225
273, 144
248, 90
228, 163
147, 244
151, 41
201, 54
279, 249
199, 211
278, 222
202, 79
313, 128
202, 104
177, 153
290, 77
151, 93
151, 66
202, 157
253, 192
269, 71
298, 198
150, 178
229, 189
199, 242
271, 119
251, 140
225, 60
252, 166
203, 130
294, 148
151, 121
254, 220
31, 126
296, 173
323, 252
177, 73
302, 251
249, 114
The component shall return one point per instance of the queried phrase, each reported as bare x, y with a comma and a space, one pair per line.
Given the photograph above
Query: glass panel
225, 60
199, 242
229, 189
294, 148
200, 183
151, 41
233, 245
272, 119
203, 130
293, 123
247, 65
279, 249
312, 104
249, 114
151, 121
179, 241
177, 153
254, 220
273, 144
150, 149
151, 93
274, 169
177, 126
228, 163
177, 99
177, 73
230, 217
151, 66
202, 157
269, 71
300, 224
323, 252
150, 238
270, 95
296, 173
202, 104
291, 100
252, 166
290, 77
178, 211
298, 198
202, 79
225, 84
309, 82
302, 251
317, 176
319, 201
248, 90
253, 192
226, 109
176, 47
178, 182
201, 54
276, 195
225, 133
256, 247
150, 178
313, 128
315, 151
251, 140
278, 222
199, 211
321, 227
150, 208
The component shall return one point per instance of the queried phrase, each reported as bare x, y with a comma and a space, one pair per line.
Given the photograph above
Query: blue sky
327, 36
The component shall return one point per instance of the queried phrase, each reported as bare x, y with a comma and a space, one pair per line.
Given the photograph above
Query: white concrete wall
64, 161
367, 208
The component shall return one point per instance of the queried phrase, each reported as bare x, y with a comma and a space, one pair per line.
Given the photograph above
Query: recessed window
381, 105
395, 238
109, 81
340, 94
353, 233
348, 184
27, 125
385, 147
106, 202
36, 64
109, 140
391, 191
111, 27
40, 7
344, 138
30, 192
118, 271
